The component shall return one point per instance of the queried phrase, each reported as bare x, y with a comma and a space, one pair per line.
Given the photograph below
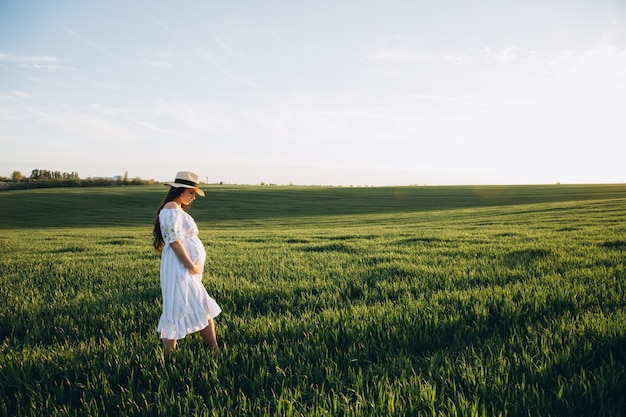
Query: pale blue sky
346, 92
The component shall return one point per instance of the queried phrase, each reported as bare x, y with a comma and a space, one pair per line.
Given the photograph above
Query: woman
187, 307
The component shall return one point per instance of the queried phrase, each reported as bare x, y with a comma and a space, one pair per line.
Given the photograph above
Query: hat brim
179, 185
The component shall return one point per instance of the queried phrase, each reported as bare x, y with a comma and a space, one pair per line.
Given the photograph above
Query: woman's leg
208, 335
168, 345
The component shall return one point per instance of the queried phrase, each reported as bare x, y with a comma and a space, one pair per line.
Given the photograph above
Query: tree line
44, 174
43, 178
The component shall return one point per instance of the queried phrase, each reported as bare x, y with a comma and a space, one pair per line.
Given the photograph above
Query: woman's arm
183, 256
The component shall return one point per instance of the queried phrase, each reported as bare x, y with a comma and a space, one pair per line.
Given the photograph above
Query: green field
416, 301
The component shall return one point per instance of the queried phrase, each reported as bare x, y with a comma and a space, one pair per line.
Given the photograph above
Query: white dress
186, 304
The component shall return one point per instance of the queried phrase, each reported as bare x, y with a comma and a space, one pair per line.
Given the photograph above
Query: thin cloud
21, 94
163, 25
516, 55
160, 64
161, 58
407, 51
208, 56
397, 53
28, 59
86, 41
505, 55
36, 62
229, 51
49, 67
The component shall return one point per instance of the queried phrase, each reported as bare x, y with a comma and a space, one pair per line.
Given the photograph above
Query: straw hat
186, 179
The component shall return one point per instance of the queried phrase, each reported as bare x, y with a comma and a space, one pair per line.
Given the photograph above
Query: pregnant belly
196, 252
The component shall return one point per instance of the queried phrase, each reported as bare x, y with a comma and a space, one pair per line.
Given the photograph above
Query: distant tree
125, 177
41, 174
42, 178
71, 176
45, 175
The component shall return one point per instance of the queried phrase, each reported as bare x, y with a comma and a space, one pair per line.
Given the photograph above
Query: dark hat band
186, 182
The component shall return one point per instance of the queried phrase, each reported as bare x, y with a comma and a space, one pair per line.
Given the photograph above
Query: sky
342, 92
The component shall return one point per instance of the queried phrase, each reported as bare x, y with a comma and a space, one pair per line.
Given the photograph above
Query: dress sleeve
171, 225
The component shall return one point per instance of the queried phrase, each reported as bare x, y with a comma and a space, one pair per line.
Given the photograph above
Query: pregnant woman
187, 307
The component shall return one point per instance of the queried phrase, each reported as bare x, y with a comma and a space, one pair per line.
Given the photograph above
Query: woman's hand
182, 255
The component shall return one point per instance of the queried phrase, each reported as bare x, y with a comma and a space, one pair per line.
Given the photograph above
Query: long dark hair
171, 195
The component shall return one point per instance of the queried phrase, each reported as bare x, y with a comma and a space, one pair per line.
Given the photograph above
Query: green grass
134, 205
434, 301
